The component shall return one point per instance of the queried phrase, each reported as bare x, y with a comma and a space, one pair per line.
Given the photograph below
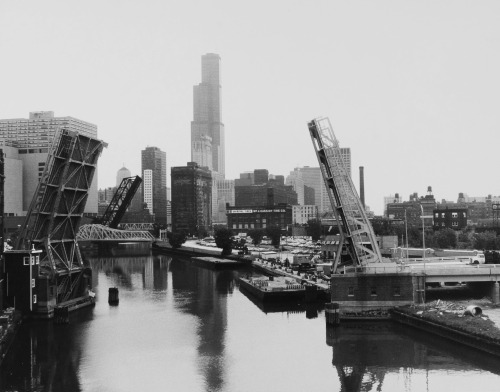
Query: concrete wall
360, 292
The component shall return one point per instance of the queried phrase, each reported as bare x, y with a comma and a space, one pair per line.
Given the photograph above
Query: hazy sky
412, 87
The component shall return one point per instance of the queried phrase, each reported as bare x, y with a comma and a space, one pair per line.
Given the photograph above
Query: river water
184, 328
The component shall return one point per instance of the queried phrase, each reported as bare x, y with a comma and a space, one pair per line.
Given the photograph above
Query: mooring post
113, 296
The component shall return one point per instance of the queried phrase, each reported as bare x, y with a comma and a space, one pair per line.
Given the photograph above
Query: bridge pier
495, 293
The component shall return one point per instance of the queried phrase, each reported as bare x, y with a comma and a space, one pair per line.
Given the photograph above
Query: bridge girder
104, 233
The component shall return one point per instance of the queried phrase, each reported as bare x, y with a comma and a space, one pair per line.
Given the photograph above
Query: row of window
396, 291
453, 214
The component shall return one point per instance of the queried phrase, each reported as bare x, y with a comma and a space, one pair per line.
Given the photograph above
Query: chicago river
179, 327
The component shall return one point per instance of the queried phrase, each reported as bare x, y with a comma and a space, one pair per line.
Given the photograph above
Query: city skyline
410, 88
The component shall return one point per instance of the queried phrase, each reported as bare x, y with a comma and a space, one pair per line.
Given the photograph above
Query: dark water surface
184, 328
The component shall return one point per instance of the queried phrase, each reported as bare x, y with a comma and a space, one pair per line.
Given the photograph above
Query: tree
223, 239
176, 239
445, 239
256, 235
486, 240
274, 232
313, 229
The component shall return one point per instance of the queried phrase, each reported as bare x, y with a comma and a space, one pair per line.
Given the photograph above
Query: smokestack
362, 185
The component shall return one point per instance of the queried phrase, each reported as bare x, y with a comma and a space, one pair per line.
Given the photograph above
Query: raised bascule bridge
45, 270
364, 281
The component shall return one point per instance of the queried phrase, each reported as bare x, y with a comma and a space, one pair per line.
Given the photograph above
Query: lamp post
423, 232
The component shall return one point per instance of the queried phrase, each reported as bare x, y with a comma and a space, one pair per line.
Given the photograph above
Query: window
33, 283
454, 214
437, 214
374, 291
34, 298
350, 291
26, 260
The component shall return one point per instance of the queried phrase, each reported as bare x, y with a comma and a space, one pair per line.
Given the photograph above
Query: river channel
179, 327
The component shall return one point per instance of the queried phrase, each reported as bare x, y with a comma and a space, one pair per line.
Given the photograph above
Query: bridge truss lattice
104, 233
57, 208
356, 231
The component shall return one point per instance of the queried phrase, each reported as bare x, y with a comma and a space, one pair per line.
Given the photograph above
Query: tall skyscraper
121, 174
33, 137
191, 199
207, 127
154, 174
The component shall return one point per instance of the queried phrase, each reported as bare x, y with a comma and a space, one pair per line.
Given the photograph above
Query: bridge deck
446, 271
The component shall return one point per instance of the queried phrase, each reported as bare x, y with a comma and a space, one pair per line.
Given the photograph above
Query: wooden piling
113, 296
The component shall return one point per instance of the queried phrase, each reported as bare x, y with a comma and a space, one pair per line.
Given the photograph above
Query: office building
265, 191
154, 186
207, 129
33, 137
191, 199
245, 179
294, 179
222, 194
302, 214
244, 218
121, 174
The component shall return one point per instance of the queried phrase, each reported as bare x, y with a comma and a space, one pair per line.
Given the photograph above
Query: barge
273, 288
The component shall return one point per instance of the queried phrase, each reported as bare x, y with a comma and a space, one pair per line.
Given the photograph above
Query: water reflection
185, 328
365, 353
207, 291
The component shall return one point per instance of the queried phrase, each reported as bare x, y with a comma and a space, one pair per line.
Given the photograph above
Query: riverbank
458, 321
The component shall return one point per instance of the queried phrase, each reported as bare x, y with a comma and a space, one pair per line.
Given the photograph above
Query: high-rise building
207, 126
222, 194
191, 199
201, 151
260, 176
121, 174
313, 178
33, 137
294, 179
154, 164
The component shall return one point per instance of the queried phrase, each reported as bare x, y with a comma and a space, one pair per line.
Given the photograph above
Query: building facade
33, 137
207, 123
191, 199
245, 218
452, 218
294, 179
302, 214
154, 162
121, 174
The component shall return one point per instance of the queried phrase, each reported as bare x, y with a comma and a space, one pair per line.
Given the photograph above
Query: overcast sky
412, 87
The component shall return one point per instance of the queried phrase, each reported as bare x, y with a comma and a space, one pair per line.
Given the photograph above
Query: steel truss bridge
104, 233
56, 211
137, 226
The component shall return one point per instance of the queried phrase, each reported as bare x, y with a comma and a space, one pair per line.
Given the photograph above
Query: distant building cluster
201, 197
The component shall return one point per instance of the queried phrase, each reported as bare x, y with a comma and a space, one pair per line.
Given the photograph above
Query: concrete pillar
495, 293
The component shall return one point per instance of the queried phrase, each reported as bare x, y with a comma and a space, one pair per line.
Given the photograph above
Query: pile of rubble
459, 309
